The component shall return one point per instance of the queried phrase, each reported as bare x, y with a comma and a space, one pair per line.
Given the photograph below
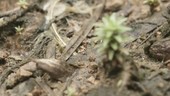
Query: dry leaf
54, 67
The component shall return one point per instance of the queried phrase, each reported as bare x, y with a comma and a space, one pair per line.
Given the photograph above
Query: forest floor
48, 48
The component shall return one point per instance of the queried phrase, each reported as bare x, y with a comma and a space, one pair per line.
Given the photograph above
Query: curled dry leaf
54, 67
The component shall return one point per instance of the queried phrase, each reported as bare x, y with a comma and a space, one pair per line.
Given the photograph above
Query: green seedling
19, 29
111, 31
2, 21
70, 91
23, 3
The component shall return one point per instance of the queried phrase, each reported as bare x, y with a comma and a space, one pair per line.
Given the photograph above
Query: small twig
57, 36
150, 23
53, 26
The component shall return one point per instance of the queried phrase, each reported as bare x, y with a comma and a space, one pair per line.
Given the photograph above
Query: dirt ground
48, 48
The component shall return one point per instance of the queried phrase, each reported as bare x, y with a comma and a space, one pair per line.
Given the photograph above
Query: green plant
112, 33
23, 3
19, 29
70, 91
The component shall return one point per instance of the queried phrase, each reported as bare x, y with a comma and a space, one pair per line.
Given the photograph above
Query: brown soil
34, 62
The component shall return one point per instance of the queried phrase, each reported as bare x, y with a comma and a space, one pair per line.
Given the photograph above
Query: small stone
160, 50
145, 11
114, 5
4, 54
91, 80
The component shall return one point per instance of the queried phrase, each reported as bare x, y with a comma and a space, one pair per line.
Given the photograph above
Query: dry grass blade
57, 36
53, 26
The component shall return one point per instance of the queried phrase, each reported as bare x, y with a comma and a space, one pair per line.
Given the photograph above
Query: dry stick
76, 41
